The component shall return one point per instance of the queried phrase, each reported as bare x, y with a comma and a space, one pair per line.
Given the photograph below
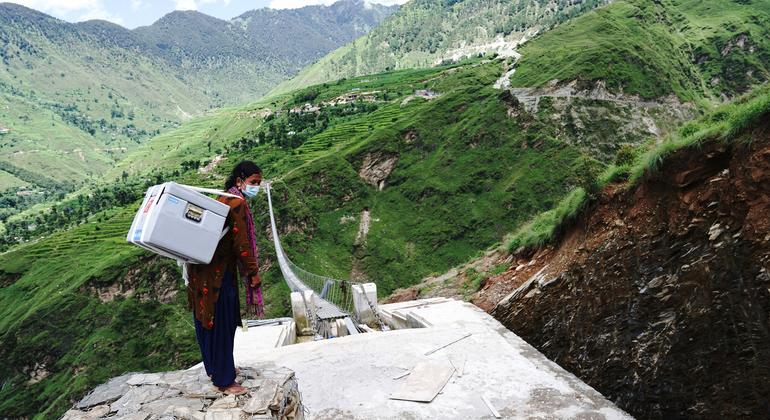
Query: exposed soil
659, 296
148, 280
7, 279
376, 168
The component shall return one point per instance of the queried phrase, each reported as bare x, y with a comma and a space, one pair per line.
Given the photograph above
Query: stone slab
425, 381
159, 397
260, 400
107, 392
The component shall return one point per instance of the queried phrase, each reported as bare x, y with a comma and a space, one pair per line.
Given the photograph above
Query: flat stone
145, 379
425, 382
197, 389
252, 383
183, 413
279, 374
172, 378
219, 414
260, 400
133, 399
160, 407
106, 393
94, 413
224, 403
133, 416
99, 411
75, 415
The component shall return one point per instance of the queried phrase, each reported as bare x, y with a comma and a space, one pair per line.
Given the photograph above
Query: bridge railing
338, 292
336, 295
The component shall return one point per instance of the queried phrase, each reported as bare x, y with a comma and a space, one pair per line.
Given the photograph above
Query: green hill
689, 48
426, 32
75, 98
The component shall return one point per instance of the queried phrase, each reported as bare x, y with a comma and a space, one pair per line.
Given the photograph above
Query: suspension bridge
326, 299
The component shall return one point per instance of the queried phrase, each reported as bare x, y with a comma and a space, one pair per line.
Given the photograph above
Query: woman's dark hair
242, 170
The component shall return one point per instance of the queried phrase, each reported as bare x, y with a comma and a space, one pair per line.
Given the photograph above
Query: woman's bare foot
234, 389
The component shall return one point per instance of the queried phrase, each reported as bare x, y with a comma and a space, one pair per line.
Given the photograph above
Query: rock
133, 399
75, 415
183, 413
715, 231
93, 413
132, 416
106, 393
175, 378
251, 383
184, 394
99, 411
224, 403
145, 379
198, 389
260, 400
376, 167
161, 406
230, 414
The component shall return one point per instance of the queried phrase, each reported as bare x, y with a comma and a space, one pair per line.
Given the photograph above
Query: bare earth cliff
658, 296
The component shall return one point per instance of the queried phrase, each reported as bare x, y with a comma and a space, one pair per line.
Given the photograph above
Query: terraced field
344, 134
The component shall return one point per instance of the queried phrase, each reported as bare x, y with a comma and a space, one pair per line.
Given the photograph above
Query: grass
653, 49
545, 226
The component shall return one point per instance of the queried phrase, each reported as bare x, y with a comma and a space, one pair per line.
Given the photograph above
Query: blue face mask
251, 191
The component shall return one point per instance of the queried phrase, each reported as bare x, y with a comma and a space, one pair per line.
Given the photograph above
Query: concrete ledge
364, 299
300, 313
352, 377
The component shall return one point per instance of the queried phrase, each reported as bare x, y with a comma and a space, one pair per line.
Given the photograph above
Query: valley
102, 90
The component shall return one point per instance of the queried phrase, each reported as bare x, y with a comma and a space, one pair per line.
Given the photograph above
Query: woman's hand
255, 280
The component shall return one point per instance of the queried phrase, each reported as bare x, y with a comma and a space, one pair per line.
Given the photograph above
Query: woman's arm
241, 244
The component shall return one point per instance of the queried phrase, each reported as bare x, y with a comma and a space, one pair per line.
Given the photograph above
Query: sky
133, 13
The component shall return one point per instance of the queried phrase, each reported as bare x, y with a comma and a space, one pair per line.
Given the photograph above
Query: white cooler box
178, 222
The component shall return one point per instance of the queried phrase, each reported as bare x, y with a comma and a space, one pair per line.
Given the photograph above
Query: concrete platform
352, 377
265, 337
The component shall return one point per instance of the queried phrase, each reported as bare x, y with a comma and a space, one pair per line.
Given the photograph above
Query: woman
212, 292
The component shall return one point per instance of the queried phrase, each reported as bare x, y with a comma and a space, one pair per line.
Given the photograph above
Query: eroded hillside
658, 296
656, 293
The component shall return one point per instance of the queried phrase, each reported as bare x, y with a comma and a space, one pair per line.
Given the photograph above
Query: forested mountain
426, 32
74, 98
240, 59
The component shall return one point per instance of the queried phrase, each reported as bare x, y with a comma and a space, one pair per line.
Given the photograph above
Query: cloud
194, 4
72, 10
296, 4
186, 5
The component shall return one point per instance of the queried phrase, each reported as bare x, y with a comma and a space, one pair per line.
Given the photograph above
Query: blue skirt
216, 344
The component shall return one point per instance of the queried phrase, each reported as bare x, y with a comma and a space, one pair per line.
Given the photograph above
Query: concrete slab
352, 377
425, 381
263, 338
364, 300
